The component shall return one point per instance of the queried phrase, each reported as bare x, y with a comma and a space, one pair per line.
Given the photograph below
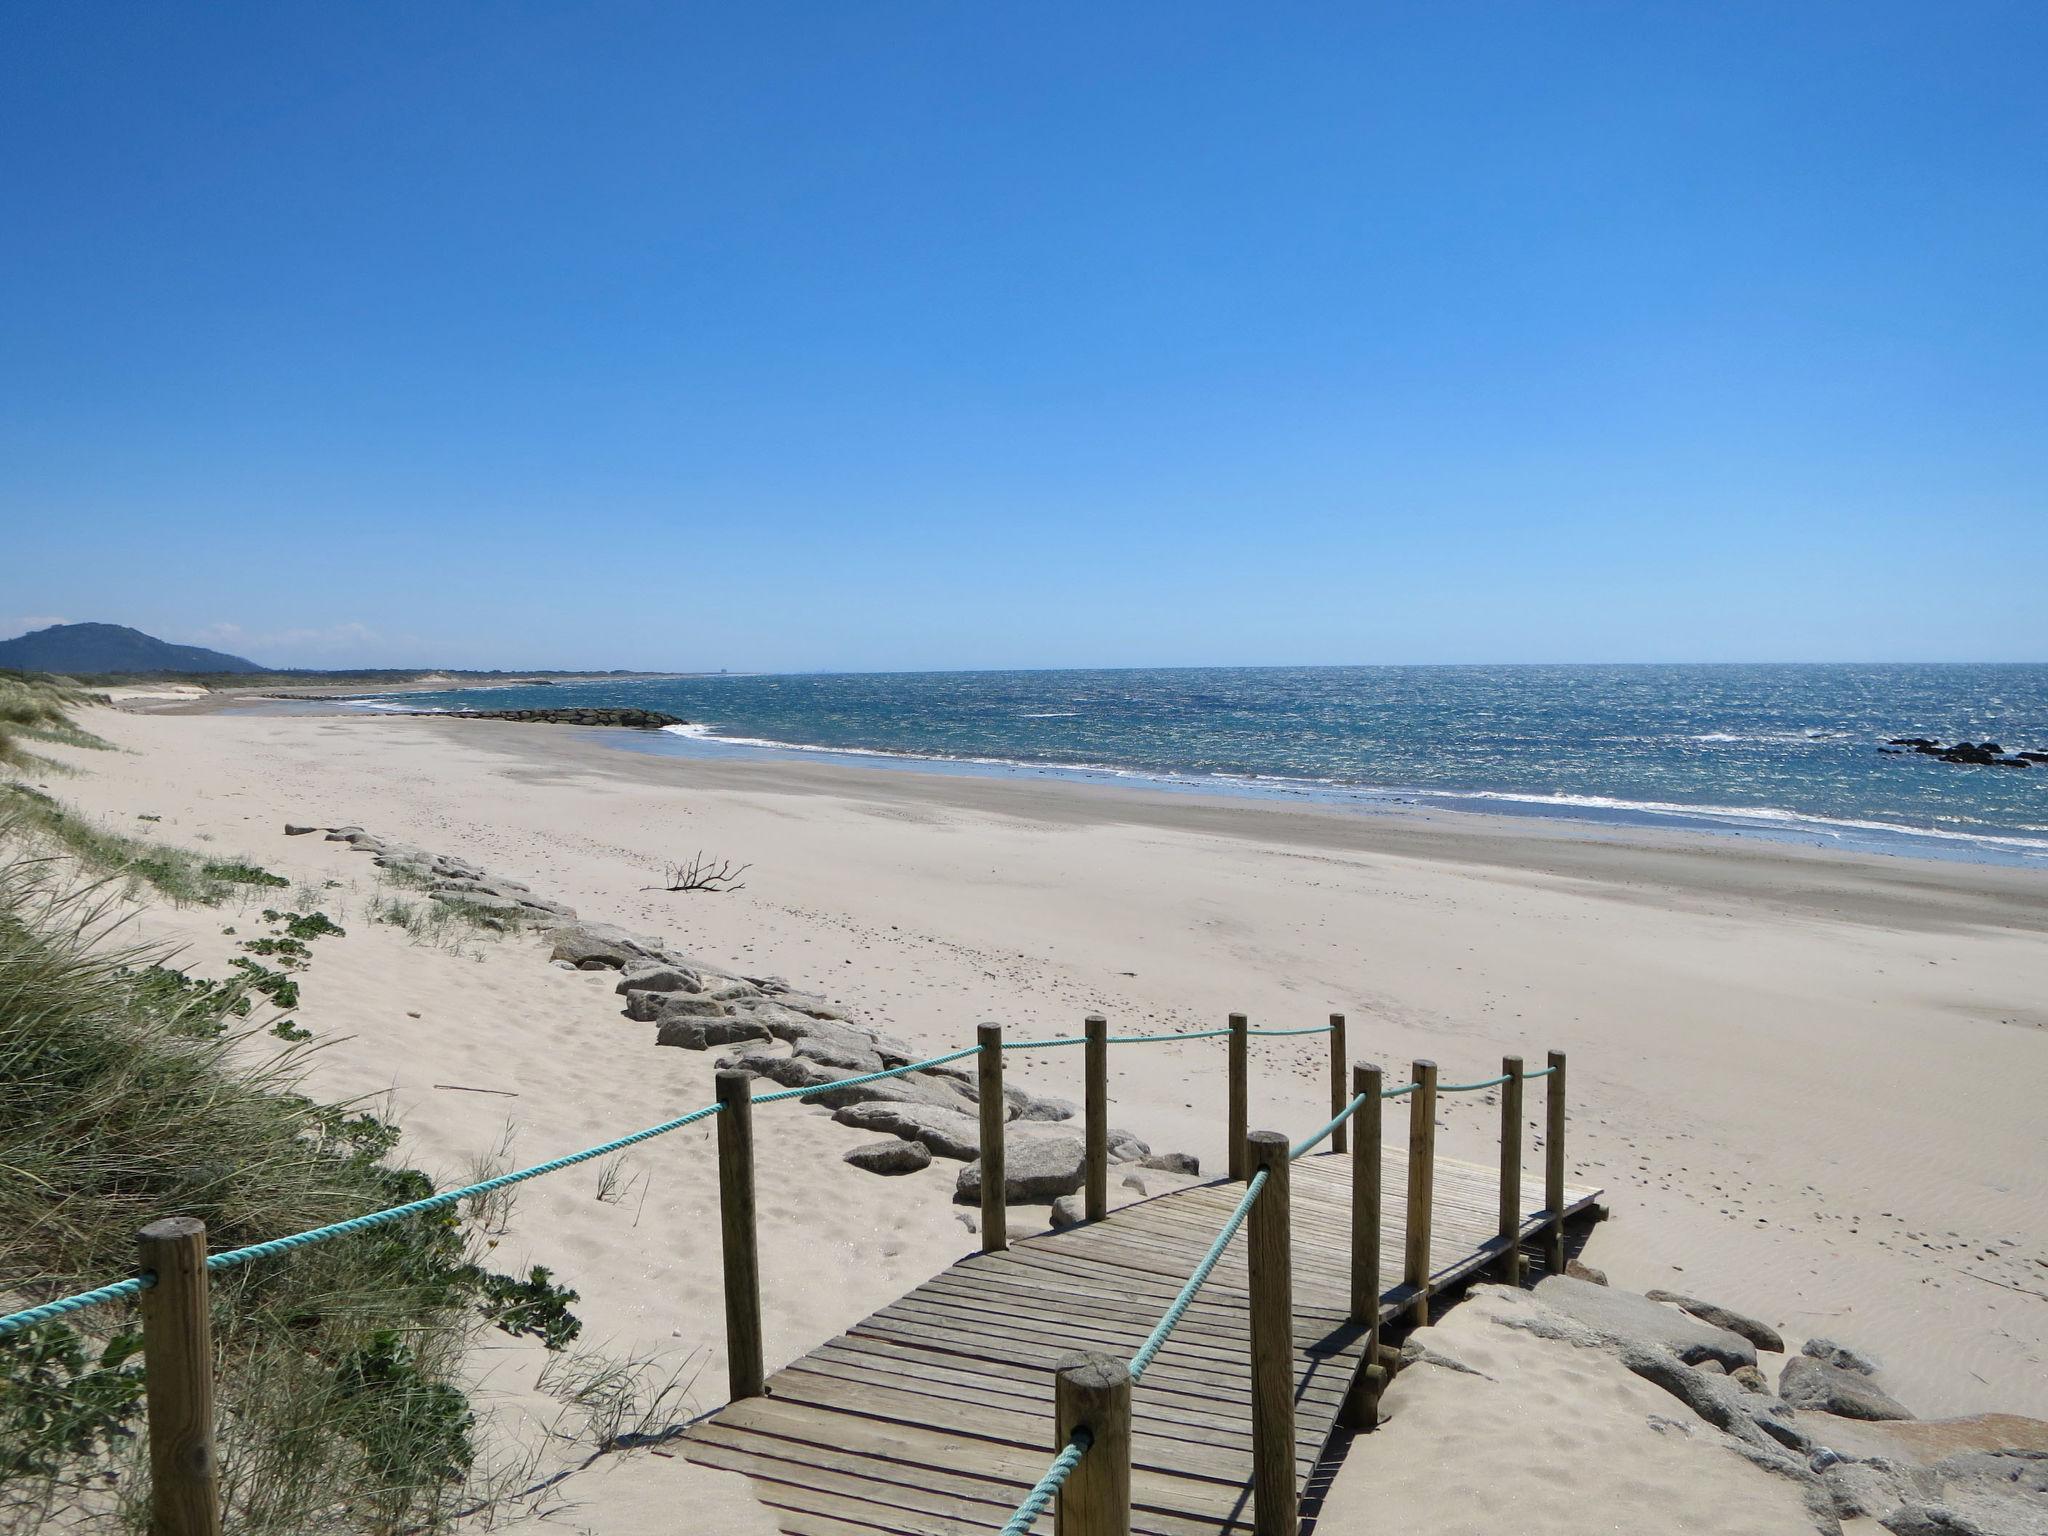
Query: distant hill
101, 648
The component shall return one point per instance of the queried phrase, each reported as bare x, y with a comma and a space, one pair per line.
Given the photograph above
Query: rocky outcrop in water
1975, 754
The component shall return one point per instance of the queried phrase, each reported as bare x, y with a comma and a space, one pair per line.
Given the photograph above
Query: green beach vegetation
136, 1091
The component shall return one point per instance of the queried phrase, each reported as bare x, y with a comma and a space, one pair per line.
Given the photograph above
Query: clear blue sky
859, 335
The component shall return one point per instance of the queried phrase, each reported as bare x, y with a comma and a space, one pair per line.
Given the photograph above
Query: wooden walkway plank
933, 1415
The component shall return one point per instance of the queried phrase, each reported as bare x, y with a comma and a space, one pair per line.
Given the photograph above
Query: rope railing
1042, 1491
172, 1266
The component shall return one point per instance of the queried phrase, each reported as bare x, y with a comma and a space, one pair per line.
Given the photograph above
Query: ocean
1783, 752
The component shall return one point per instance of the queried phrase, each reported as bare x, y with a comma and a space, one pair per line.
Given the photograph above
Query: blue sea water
1785, 751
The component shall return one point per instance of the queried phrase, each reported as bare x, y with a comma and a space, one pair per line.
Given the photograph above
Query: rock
1173, 1162
562, 965
1762, 1335
802, 1002
1840, 1356
292, 831
1712, 1368
1807, 1382
1623, 1317
1035, 1168
1585, 1272
1135, 1184
945, 1132
838, 1053
1923, 1442
1068, 1211
1871, 1490
1750, 1379
890, 1157
1660, 1368
344, 834
801, 1072
682, 1005
476, 900
1025, 1105
701, 1034
659, 976
592, 946
1125, 1147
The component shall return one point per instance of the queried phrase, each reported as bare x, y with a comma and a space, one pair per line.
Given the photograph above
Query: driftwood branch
701, 874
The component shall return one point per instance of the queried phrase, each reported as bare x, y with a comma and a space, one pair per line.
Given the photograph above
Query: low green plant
64, 1401
535, 1305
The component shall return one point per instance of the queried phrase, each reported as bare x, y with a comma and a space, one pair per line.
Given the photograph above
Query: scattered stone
1762, 1335
562, 965
945, 1132
292, 831
1173, 1162
890, 1157
1808, 1382
344, 834
1750, 1379
1586, 1272
1125, 1147
1840, 1356
1068, 1211
1135, 1184
1038, 1168
1623, 1317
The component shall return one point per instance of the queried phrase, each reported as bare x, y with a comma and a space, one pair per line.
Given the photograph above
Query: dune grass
34, 707
127, 1101
184, 877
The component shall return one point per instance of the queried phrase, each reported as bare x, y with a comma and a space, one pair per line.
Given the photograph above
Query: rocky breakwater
633, 719
797, 1039
1856, 1452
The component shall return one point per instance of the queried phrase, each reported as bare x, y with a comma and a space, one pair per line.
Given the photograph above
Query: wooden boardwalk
933, 1417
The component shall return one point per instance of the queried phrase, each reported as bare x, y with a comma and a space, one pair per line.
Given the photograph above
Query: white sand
1812, 1085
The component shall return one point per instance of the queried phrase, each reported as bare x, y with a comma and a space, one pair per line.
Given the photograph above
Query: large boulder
946, 1132
1982, 1493
802, 1072
1026, 1105
1034, 1168
847, 1055
602, 946
1762, 1335
659, 1006
658, 976
1809, 1383
890, 1157
701, 1034
1624, 1318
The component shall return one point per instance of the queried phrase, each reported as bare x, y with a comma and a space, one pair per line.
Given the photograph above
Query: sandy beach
1810, 1084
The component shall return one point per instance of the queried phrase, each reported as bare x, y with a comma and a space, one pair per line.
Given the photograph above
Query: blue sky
923, 335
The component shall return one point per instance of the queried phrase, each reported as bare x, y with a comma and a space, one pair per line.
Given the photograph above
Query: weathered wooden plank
933, 1416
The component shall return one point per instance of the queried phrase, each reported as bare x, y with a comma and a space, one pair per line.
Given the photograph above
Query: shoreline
1587, 815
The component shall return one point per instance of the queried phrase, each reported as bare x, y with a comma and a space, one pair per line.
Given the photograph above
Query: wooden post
1096, 1108
1094, 1392
177, 1352
1272, 1307
1362, 1407
1553, 1165
995, 1113
1365, 1197
744, 1376
1421, 1185
1240, 1097
1340, 1068
1511, 1170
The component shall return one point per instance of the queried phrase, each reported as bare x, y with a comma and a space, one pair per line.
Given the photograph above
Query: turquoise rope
277, 1245
14, 1322
1156, 1340
1320, 1029
866, 1077
1491, 1082
1043, 1045
1302, 1148
1544, 1073
1048, 1485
